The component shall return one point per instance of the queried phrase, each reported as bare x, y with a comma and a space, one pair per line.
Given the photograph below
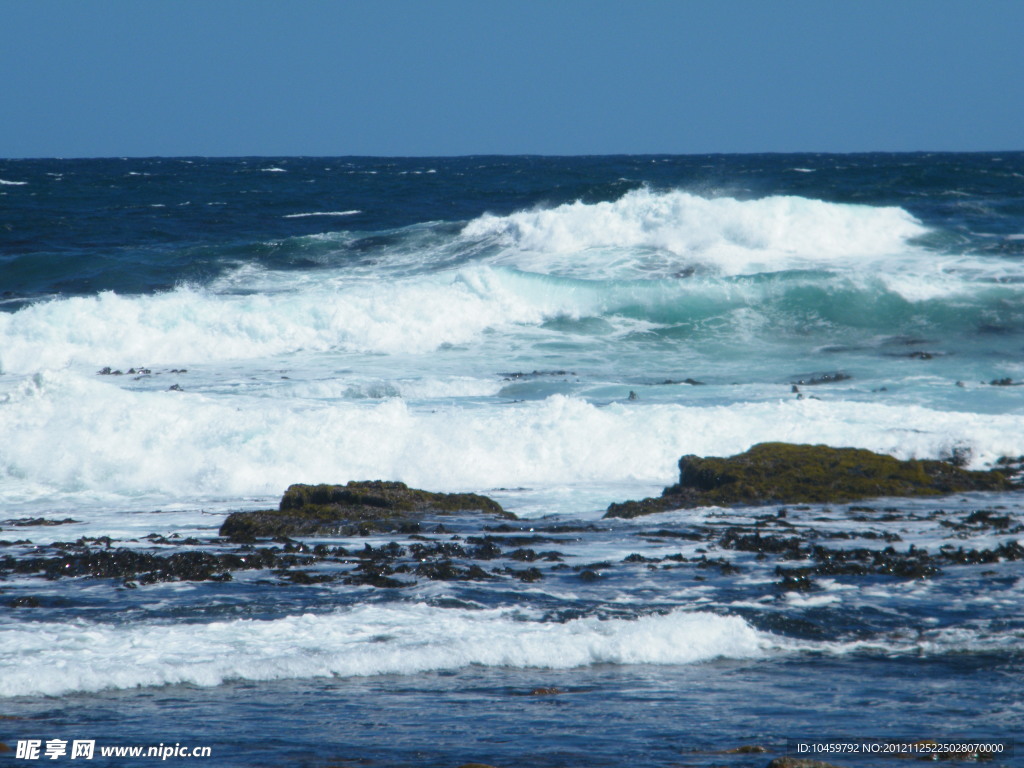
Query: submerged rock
783, 473
814, 379
309, 510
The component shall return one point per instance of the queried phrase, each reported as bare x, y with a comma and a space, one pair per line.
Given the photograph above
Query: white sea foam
5, 182
255, 313
71, 433
983, 638
194, 325
302, 311
660, 233
321, 213
54, 659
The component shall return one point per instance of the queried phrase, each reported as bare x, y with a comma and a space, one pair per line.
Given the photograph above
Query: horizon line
512, 154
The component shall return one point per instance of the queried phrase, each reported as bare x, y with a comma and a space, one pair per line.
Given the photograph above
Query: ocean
183, 338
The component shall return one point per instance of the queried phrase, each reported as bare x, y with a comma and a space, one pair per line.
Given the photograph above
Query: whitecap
661, 234
191, 446
54, 659
321, 213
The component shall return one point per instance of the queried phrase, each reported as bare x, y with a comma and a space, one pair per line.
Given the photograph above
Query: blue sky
451, 77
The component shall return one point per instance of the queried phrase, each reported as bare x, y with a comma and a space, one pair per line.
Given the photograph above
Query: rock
35, 521
783, 473
310, 510
747, 749
510, 376
815, 379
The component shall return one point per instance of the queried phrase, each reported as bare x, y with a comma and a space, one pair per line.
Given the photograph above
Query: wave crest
661, 233
367, 640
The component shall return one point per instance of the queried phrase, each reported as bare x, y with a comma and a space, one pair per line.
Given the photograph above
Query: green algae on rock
784, 473
359, 506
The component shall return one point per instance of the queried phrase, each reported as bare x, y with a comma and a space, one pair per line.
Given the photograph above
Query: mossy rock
783, 473
358, 507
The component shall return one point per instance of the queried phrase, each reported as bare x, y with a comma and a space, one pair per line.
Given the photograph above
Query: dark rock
990, 518
823, 378
724, 566
636, 557
485, 548
663, 533
794, 580
534, 374
144, 567
437, 549
959, 456
312, 510
33, 521
446, 570
295, 577
523, 555
528, 575
783, 473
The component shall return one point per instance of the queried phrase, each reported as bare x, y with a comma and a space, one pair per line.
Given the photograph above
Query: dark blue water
604, 716
138, 225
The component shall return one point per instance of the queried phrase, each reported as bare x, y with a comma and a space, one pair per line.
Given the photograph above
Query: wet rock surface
797, 551
783, 473
358, 507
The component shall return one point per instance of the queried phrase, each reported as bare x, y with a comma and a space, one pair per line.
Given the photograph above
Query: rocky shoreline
783, 473
496, 548
358, 508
